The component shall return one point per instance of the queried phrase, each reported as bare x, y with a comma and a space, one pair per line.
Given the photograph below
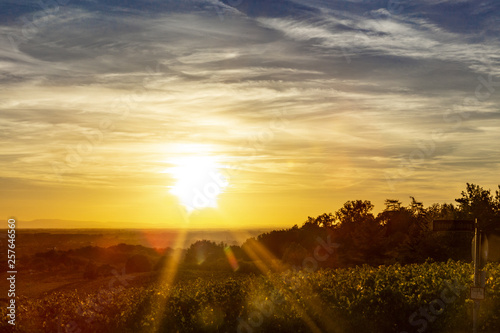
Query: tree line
398, 234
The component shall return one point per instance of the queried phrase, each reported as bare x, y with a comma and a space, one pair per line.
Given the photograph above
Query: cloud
310, 94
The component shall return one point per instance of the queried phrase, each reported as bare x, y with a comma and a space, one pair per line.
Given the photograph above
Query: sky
242, 113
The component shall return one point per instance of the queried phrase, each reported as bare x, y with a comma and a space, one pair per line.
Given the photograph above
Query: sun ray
268, 263
168, 274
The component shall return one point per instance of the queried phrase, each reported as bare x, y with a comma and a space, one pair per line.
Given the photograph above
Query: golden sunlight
198, 181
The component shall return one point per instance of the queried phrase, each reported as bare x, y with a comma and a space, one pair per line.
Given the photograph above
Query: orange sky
125, 118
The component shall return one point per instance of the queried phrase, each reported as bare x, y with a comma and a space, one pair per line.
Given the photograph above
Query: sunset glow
116, 120
198, 181
250, 165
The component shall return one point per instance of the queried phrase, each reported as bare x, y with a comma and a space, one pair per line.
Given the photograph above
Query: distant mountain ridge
74, 224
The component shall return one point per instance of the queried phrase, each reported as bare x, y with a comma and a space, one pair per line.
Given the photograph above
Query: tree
137, 263
369, 244
354, 212
361, 235
204, 251
294, 254
90, 272
325, 220
479, 203
496, 202
394, 217
392, 205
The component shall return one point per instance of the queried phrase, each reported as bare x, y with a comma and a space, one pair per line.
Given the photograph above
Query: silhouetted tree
294, 254
325, 220
354, 212
105, 270
90, 271
479, 203
392, 205
138, 263
361, 235
204, 252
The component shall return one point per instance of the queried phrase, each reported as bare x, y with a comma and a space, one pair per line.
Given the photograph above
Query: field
346, 272
429, 297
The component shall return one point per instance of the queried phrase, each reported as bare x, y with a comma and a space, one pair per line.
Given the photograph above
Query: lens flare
231, 258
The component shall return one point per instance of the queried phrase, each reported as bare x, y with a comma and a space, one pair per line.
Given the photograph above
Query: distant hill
73, 224
33, 240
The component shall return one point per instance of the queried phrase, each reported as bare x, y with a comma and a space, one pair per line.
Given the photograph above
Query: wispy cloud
104, 90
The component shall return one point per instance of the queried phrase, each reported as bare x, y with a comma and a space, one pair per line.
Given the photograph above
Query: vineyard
430, 297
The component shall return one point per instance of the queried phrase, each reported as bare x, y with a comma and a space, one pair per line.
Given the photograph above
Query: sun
199, 181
